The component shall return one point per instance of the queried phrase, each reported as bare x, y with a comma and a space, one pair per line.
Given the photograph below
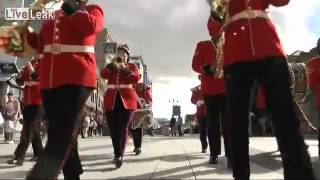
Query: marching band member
145, 98
197, 99
120, 99
214, 93
313, 66
68, 76
32, 112
253, 51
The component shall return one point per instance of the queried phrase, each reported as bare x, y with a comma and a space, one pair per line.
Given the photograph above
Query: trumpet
118, 61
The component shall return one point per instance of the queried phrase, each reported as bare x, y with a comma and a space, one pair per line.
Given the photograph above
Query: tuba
12, 38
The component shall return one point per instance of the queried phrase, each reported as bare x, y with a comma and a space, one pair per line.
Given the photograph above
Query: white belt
65, 48
31, 83
200, 102
249, 14
119, 86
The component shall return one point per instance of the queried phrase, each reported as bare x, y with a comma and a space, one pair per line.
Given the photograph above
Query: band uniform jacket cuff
111, 67
127, 72
207, 69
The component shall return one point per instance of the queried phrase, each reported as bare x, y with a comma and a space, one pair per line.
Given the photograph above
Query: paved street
162, 158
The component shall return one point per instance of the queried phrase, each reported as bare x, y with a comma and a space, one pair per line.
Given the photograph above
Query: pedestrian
179, 125
11, 113
68, 77
85, 126
173, 126
120, 99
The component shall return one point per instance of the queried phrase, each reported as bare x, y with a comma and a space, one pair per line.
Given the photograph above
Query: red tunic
253, 39
197, 99
31, 91
69, 68
128, 95
313, 67
205, 54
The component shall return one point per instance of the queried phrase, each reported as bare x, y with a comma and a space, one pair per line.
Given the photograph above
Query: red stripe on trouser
126, 134
74, 138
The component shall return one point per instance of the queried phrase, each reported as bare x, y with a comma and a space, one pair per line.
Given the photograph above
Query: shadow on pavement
174, 173
267, 160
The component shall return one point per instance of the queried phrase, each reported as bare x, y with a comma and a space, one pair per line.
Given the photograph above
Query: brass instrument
12, 37
219, 12
118, 61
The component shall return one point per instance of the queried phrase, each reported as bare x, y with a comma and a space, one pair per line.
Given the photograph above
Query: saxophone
12, 40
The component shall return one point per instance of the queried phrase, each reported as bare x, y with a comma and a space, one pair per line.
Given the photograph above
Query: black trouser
90, 131
173, 130
179, 127
216, 106
203, 132
63, 108
30, 132
273, 75
8, 136
137, 137
118, 121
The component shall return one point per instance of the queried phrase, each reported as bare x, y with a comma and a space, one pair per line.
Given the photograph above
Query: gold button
56, 37
57, 29
243, 28
57, 21
234, 33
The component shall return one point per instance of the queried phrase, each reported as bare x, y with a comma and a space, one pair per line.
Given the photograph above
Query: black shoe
134, 150
18, 162
138, 151
204, 150
118, 162
213, 160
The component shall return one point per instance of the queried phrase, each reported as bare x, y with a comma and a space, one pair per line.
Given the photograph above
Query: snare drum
299, 80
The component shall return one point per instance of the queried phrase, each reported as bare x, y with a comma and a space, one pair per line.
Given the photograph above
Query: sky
165, 33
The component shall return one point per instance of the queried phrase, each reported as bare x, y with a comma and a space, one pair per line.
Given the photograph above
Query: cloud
292, 25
